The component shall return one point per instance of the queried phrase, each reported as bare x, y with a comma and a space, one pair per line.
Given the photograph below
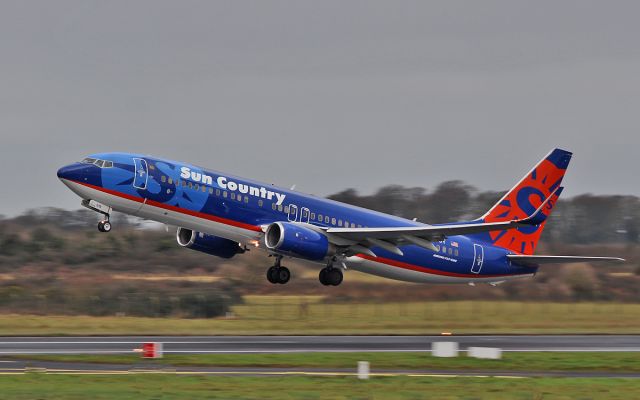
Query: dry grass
160, 278
313, 315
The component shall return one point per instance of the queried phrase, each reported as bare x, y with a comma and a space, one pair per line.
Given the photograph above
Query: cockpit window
98, 163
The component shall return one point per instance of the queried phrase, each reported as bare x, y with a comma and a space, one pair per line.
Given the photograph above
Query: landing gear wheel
335, 276
323, 276
330, 276
283, 274
278, 275
104, 226
272, 275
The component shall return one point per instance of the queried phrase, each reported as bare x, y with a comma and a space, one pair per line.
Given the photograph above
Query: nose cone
63, 173
71, 171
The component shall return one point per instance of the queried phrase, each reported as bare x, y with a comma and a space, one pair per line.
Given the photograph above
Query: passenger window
233, 196
320, 217
170, 181
190, 185
444, 249
224, 194
239, 197
273, 206
260, 203
184, 183
196, 186
339, 222
246, 199
152, 167
218, 192
210, 190
313, 216
450, 251
280, 207
163, 178
326, 219
204, 188
286, 209
333, 221
455, 252
353, 224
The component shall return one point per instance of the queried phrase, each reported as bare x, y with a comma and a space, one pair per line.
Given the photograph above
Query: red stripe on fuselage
173, 208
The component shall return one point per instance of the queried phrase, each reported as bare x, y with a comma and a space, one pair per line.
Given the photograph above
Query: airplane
224, 215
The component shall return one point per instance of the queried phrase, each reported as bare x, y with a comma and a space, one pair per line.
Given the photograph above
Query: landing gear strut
278, 273
330, 276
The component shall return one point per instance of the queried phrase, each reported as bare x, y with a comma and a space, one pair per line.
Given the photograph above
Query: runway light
446, 334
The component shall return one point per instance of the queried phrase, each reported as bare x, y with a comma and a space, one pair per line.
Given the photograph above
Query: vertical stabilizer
524, 199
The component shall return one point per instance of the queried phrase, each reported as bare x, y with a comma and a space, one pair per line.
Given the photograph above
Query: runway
300, 344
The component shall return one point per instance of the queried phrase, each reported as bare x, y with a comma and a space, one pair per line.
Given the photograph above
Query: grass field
166, 387
526, 361
271, 315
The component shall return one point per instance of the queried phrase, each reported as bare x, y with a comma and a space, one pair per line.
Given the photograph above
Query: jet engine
297, 240
210, 244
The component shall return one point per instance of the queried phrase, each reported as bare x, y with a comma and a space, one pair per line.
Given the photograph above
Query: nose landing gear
278, 273
105, 224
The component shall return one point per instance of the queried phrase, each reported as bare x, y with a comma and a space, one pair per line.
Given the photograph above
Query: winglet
539, 216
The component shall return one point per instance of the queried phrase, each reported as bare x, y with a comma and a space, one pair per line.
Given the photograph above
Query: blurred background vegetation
54, 262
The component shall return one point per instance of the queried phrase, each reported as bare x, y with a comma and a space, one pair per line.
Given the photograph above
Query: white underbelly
407, 275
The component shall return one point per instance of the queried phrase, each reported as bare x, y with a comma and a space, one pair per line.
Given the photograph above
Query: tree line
583, 219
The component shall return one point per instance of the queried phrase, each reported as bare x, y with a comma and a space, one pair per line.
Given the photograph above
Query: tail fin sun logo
522, 201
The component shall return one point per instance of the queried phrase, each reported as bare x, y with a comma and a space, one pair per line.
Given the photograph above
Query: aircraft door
141, 174
304, 215
293, 212
478, 258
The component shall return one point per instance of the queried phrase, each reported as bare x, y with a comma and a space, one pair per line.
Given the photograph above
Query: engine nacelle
210, 244
296, 240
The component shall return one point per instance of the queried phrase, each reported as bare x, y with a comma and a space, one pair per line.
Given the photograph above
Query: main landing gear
278, 273
330, 275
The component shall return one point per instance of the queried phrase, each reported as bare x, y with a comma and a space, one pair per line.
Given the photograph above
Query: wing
537, 260
389, 237
360, 239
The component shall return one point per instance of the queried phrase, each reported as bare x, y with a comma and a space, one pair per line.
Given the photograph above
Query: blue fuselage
236, 208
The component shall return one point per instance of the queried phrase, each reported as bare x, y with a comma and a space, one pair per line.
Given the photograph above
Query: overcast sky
327, 95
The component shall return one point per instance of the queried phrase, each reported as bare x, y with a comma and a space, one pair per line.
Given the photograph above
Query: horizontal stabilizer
537, 260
